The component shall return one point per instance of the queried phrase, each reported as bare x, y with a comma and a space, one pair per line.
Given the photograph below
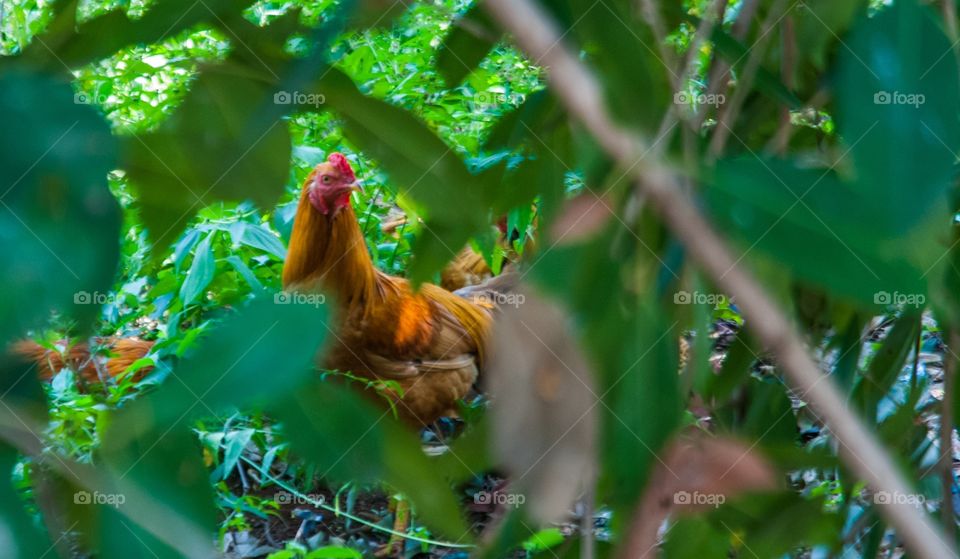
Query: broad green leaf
624, 50
471, 37
258, 237
200, 273
898, 97
349, 439
811, 221
59, 224
260, 354
226, 142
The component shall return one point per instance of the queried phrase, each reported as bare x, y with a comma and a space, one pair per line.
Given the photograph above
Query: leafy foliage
152, 154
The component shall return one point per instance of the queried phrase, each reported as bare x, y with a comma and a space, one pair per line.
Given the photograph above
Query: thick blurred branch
580, 92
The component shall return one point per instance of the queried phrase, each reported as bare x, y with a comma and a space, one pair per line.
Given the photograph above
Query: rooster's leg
401, 522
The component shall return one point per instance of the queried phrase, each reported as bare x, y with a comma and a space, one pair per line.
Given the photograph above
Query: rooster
430, 342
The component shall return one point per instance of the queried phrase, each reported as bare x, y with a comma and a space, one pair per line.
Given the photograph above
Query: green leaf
236, 441
543, 540
695, 537
624, 50
471, 37
245, 272
898, 97
200, 273
887, 364
258, 237
269, 345
226, 142
812, 221
334, 552
59, 224
169, 463
349, 439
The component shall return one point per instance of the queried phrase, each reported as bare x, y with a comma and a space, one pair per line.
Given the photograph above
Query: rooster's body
430, 342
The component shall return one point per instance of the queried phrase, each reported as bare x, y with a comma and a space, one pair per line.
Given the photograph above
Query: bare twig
712, 15
789, 40
946, 436
720, 70
580, 92
651, 13
731, 110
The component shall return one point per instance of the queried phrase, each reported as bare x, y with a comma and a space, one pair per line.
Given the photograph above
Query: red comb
340, 162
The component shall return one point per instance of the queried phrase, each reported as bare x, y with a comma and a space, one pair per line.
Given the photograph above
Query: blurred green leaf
898, 97
471, 37
66, 42
349, 439
225, 143
59, 223
268, 345
623, 48
811, 221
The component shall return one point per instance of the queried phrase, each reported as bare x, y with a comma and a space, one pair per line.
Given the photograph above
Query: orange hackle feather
430, 341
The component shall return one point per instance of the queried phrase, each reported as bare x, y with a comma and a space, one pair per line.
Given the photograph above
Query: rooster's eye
326, 179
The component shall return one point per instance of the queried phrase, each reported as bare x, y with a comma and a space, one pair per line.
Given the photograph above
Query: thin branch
713, 15
720, 71
781, 139
579, 91
947, 516
731, 110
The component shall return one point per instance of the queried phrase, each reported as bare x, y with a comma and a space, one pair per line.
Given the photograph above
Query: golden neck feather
329, 254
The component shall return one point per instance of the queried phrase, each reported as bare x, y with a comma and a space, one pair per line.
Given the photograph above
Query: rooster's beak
356, 185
